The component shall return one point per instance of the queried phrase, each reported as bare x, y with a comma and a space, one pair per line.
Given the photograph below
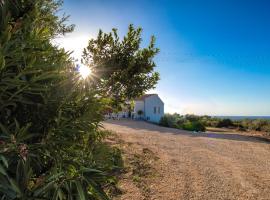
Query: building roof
143, 97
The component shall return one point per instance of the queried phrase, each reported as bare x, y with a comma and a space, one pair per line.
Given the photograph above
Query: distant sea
242, 117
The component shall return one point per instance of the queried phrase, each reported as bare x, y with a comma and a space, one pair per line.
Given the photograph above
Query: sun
84, 71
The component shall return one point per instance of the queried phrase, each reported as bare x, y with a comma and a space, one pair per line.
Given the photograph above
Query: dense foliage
170, 120
242, 125
123, 69
49, 116
188, 122
254, 125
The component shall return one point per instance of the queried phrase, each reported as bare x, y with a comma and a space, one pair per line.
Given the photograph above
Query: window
155, 110
158, 110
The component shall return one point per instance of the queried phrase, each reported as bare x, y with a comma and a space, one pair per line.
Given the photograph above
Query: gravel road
201, 166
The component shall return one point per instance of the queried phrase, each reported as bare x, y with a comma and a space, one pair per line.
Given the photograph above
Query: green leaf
80, 190
44, 189
4, 160
15, 187
4, 129
2, 170
2, 62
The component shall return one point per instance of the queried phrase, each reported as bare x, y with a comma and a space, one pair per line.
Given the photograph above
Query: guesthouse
148, 107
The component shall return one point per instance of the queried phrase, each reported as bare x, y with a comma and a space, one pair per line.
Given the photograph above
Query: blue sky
214, 54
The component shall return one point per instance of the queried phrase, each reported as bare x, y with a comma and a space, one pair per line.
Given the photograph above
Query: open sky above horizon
214, 55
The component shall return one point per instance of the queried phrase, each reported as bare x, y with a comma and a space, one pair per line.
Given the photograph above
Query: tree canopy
123, 69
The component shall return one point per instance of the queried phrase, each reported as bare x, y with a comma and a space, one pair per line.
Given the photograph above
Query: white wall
139, 105
150, 103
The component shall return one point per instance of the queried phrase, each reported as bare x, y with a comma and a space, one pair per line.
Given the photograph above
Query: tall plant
49, 115
48, 118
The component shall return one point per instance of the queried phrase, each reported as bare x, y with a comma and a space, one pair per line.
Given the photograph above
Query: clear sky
214, 54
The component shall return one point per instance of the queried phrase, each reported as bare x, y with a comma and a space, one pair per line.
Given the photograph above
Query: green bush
188, 122
193, 126
255, 124
49, 119
192, 117
258, 124
50, 137
200, 122
266, 128
170, 120
225, 123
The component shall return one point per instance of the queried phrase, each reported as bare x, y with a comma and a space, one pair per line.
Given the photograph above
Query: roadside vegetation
201, 123
187, 122
51, 141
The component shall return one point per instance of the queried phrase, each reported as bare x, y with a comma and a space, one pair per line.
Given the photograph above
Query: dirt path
198, 166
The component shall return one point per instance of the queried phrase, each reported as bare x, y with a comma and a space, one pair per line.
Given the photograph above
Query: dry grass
138, 172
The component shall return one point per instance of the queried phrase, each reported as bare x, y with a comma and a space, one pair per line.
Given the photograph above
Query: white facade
151, 106
139, 105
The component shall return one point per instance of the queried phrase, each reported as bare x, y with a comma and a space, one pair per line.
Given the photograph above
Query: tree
123, 69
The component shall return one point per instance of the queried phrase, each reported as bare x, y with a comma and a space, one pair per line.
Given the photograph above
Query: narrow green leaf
2, 170
15, 187
2, 62
80, 190
4, 160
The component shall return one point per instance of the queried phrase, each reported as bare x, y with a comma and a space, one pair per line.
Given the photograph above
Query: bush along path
51, 145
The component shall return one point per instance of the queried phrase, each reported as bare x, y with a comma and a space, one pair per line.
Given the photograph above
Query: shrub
192, 118
49, 116
170, 120
225, 123
177, 121
49, 119
180, 122
257, 124
193, 126
266, 128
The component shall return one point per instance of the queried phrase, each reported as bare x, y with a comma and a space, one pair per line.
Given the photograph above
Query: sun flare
84, 71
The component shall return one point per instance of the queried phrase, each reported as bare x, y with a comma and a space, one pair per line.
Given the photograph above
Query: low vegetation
199, 123
188, 122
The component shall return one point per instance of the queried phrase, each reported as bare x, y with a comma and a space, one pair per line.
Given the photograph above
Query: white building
150, 106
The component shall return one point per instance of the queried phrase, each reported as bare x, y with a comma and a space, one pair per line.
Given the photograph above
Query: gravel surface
199, 165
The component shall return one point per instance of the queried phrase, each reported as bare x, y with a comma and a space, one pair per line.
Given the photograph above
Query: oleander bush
51, 141
49, 120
